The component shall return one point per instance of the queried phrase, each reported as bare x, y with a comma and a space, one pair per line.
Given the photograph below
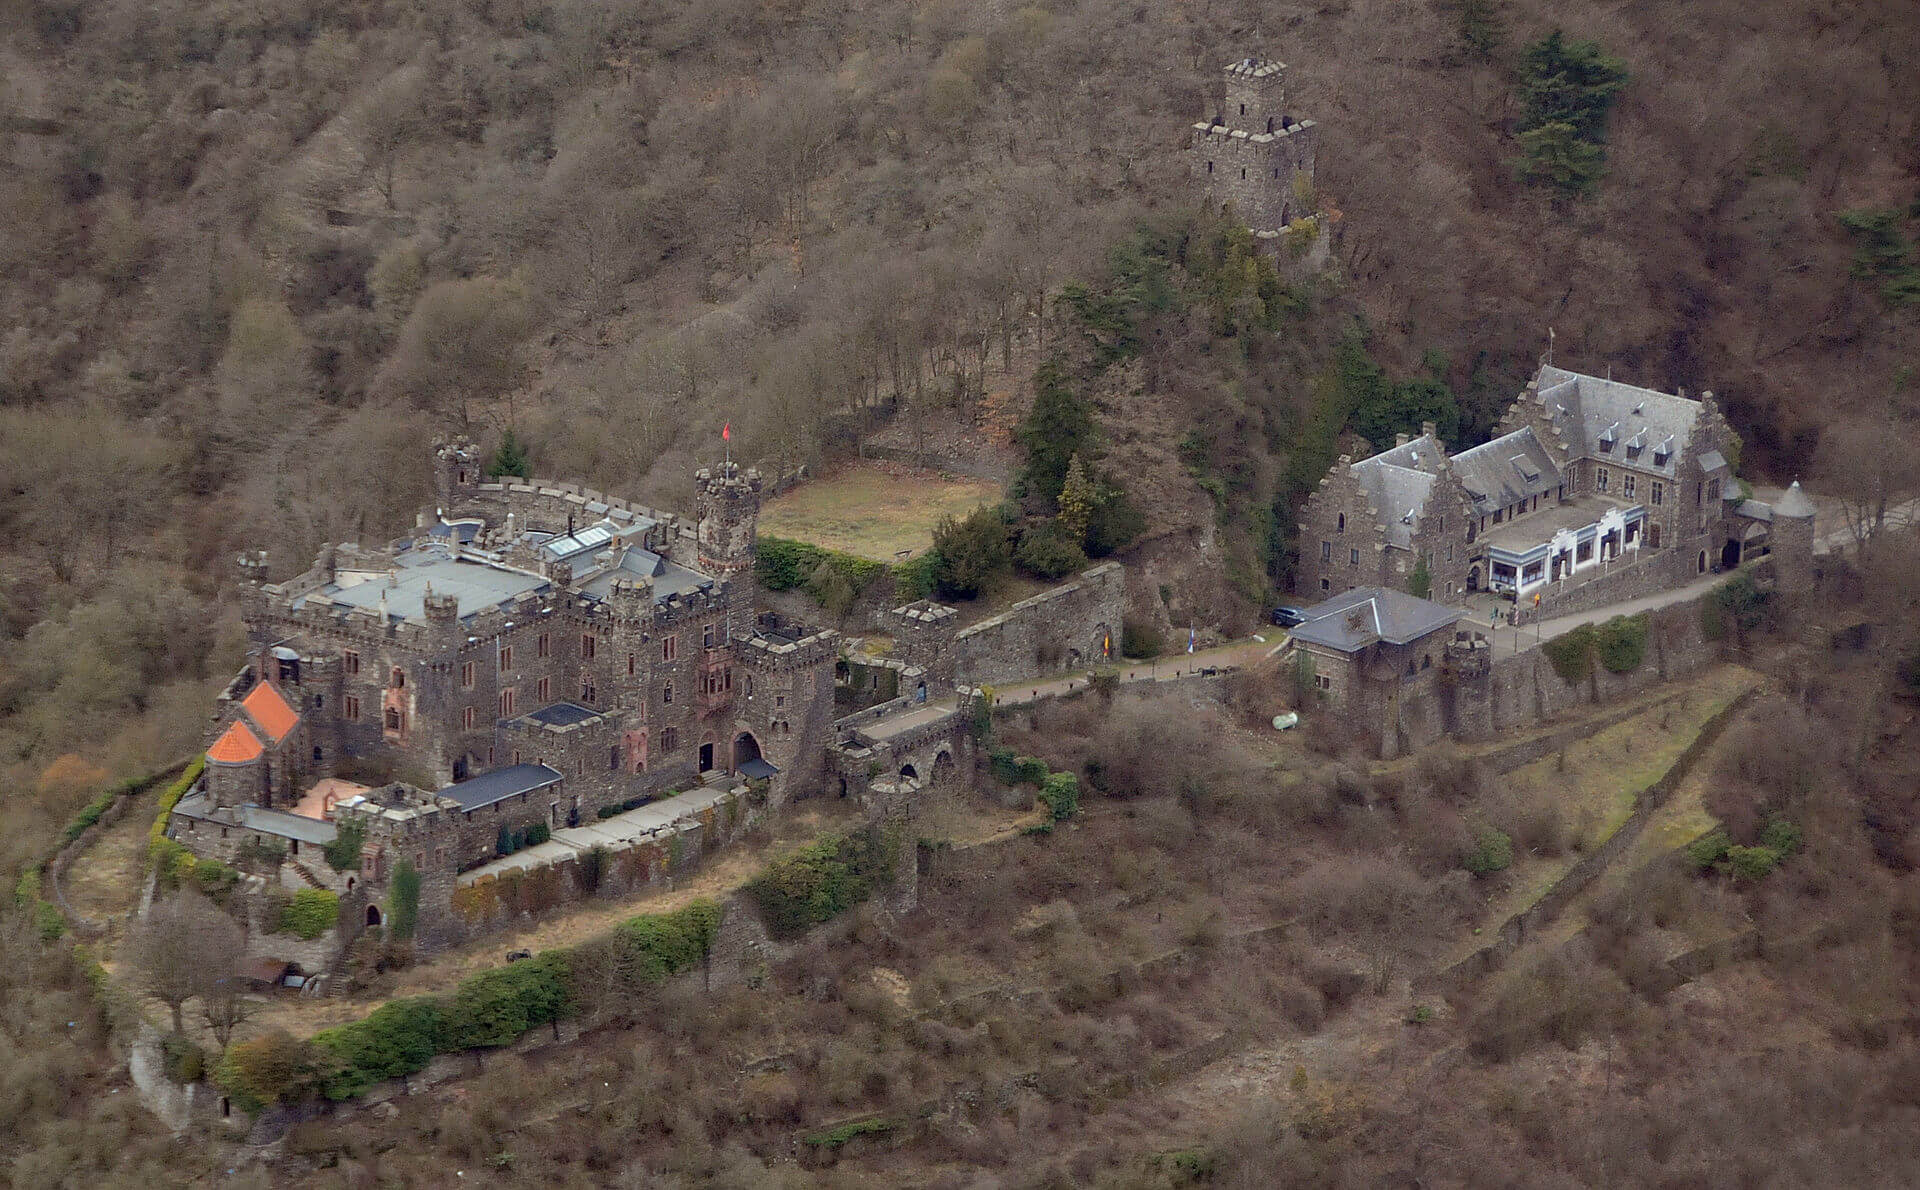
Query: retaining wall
1066, 627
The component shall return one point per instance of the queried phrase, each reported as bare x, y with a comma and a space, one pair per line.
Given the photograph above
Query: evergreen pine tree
510, 459
1077, 496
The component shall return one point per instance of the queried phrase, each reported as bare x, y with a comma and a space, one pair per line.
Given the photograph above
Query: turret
1793, 542
728, 503
443, 611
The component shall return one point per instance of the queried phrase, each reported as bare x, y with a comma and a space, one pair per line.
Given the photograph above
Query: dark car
1287, 617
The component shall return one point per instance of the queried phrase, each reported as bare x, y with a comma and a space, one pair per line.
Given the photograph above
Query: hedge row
781, 564
822, 880
1619, 644
157, 834
492, 1008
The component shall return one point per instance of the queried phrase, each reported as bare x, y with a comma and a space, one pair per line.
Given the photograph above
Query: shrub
1029, 770
818, 882
1621, 643
1781, 836
26, 890
1001, 763
1491, 852
1750, 863
782, 565
837, 1137
1571, 654
497, 1006
1140, 640
343, 854
92, 811
47, 921
266, 1070
1048, 551
657, 945
1061, 793
1708, 850
538, 833
913, 579
213, 877
310, 913
971, 551
396, 1039
403, 907
184, 1061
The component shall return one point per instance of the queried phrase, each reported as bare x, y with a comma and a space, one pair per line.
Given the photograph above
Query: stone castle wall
1066, 627
1649, 572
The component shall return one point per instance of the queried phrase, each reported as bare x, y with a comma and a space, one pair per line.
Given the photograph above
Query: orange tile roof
236, 746
268, 708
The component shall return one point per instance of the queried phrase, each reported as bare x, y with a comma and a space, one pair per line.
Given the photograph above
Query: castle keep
1253, 152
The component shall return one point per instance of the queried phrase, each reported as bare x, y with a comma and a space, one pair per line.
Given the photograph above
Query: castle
534, 657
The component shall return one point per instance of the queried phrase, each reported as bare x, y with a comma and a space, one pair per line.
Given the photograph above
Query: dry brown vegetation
255, 254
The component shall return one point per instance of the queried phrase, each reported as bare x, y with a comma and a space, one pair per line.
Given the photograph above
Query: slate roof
501, 784
1399, 493
1588, 408
562, 714
1507, 470
1793, 502
475, 584
287, 826
1363, 616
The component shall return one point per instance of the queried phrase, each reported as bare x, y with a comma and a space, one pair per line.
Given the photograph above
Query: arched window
1343, 522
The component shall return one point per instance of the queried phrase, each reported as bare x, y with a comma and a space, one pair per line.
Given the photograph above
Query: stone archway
909, 772
373, 917
943, 767
745, 748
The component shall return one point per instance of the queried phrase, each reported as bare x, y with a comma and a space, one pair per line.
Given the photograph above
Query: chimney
1400, 439
1426, 429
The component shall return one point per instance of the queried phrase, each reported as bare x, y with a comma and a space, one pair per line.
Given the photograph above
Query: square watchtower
1252, 151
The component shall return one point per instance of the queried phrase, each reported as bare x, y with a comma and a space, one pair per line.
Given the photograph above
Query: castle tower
728, 504
1251, 151
1793, 542
456, 473
443, 611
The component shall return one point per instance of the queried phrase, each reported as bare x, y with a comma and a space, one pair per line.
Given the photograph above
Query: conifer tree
1077, 496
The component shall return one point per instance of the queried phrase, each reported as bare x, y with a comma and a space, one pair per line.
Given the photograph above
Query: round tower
1793, 542
443, 611
728, 503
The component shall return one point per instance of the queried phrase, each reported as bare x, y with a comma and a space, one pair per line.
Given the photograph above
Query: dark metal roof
757, 768
501, 784
287, 826
562, 714
1365, 615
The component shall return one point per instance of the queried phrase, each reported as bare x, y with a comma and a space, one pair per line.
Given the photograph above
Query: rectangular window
506, 656
706, 636
1713, 489
350, 661
1659, 492
467, 716
1322, 682
1600, 478
506, 705
669, 736
1499, 515
352, 708
1626, 484
669, 647
544, 686
586, 691
466, 675
586, 646
632, 664
613, 759
1353, 557
1583, 552
666, 692
1326, 551
543, 646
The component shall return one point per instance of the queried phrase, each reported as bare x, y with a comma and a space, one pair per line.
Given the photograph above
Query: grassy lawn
873, 511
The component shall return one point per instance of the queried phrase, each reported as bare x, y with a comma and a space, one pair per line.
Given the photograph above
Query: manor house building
1588, 476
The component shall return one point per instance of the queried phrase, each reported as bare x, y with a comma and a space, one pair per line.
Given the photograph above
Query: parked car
1286, 616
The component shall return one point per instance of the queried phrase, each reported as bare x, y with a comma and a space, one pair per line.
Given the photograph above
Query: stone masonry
1252, 152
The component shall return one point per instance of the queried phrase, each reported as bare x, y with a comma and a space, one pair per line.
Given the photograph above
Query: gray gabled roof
1585, 408
1398, 493
1507, 470
501, 784
1365, 615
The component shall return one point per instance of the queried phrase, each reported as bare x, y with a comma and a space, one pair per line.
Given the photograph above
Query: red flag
726, 432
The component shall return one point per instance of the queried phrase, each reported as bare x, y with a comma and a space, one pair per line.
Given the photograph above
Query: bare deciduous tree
1868, 464
174, 948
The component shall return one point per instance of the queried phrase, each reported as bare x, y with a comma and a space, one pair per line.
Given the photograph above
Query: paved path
1165, 669
655, 819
